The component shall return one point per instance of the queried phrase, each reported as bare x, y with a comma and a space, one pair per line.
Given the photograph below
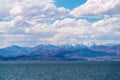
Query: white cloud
39, 10
108, 29
31, 9
82, 31
97, 8
16, 10
30, 23
5, 6
63, 31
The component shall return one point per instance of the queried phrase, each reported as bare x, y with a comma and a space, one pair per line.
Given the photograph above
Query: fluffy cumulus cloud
31, 9
99, 8
5, 6
33, 22
82, 31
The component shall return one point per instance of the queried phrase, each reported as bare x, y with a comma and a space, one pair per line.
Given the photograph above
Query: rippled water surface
59, 70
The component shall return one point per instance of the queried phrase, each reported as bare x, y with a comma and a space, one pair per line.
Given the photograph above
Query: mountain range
61, 53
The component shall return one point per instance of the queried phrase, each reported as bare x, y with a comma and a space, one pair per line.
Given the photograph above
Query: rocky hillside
61, 53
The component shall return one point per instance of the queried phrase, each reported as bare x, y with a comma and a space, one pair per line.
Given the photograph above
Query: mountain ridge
61, 53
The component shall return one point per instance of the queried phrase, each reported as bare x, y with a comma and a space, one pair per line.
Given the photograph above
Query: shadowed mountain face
61, 53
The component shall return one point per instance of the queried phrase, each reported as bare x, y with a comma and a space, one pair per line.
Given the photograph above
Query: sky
69, 4
34, 22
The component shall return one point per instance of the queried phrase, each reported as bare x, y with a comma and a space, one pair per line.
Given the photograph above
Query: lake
60, 70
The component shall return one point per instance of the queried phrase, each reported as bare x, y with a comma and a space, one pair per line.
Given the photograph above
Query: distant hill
61, 53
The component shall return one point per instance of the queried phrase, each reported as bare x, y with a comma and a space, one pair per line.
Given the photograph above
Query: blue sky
33, 22
1, 19
69, 4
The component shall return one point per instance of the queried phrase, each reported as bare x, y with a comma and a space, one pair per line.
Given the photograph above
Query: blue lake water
60, 70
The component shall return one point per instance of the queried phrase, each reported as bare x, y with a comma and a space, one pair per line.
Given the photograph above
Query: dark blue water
59, 70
